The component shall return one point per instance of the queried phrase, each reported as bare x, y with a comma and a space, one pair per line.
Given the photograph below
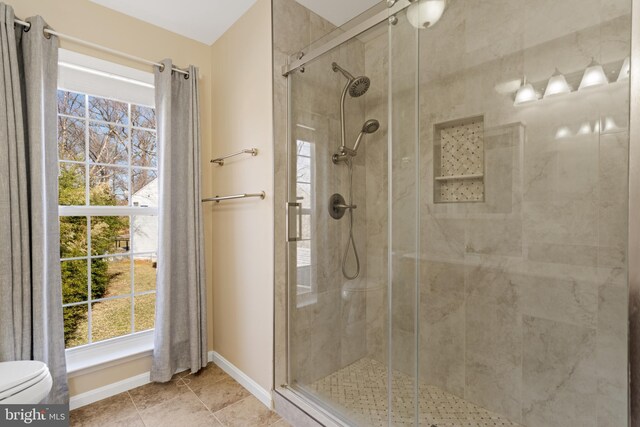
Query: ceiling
201, 20
206, 20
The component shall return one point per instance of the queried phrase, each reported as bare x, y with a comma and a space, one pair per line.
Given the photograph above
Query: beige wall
239, 235
88, 21
242, 256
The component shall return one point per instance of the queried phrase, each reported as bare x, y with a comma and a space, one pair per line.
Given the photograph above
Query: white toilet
24, 382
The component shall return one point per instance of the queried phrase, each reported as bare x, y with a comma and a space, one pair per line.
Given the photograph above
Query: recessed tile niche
458, 153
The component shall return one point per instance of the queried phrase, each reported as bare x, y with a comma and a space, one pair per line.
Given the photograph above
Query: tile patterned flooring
360, 389
208, 398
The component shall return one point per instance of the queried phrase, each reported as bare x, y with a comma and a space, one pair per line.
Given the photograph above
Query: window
305, 191
108, 196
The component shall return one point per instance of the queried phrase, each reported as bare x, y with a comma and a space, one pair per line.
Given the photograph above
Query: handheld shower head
370, 126
357, 86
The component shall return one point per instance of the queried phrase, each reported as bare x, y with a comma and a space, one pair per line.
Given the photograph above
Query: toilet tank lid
15, 373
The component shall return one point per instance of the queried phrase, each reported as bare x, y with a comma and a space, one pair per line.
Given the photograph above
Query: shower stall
454, 248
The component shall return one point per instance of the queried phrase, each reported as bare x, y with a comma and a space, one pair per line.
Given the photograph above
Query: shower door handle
294, 228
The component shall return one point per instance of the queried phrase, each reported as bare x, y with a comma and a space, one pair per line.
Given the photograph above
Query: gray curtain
31, 325
181, 316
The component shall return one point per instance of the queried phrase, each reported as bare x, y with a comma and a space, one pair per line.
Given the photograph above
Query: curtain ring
26, 28
186, 76
161, 66
46, 35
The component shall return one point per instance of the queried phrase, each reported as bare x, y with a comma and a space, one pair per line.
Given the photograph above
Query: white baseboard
127, 384
256, 389
108, 390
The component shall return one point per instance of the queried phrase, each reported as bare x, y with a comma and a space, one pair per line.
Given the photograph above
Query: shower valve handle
341, 206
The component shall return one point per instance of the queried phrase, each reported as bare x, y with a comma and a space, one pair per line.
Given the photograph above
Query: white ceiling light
625, 70
593, 76
585, 129
425, 13
557, 85
526, 93
563, 132
610, 125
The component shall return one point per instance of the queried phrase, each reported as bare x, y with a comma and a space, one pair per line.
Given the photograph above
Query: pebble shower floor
361, 390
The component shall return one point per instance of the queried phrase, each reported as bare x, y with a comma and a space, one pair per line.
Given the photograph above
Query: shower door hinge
294, 228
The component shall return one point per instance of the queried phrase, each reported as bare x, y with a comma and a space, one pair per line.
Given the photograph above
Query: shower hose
351, 243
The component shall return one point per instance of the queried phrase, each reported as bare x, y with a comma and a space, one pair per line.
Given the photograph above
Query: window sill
100, 355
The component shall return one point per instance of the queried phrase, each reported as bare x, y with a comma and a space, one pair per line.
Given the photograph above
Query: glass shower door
488, 212
327, 220
353, 230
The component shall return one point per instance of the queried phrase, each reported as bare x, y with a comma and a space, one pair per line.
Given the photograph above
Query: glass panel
110, 277
108, 144
144, 187
108, 110
145, 234
404, 243
110, 319
111, 180
144, 272
144, 310
75, 282
108, 186
144, 117
144, 148
110, 235
71, 103
334, 263
523, 311
304, 280
304, 169
76, 330
71, 185
71, 139
304, 195
73, 236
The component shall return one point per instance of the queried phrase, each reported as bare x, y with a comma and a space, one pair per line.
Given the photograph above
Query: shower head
357, 86
370, 126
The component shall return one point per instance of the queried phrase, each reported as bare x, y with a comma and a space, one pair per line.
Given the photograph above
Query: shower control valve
338, 206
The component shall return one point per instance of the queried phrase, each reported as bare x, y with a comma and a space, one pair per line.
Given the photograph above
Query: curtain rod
102, 48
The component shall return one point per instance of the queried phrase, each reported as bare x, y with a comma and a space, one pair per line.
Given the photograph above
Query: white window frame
135, 87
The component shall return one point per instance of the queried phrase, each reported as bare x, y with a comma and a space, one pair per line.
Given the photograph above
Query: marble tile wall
518, 293
522, 297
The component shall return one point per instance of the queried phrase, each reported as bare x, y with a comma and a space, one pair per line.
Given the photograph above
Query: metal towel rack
220, 160
218, 199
